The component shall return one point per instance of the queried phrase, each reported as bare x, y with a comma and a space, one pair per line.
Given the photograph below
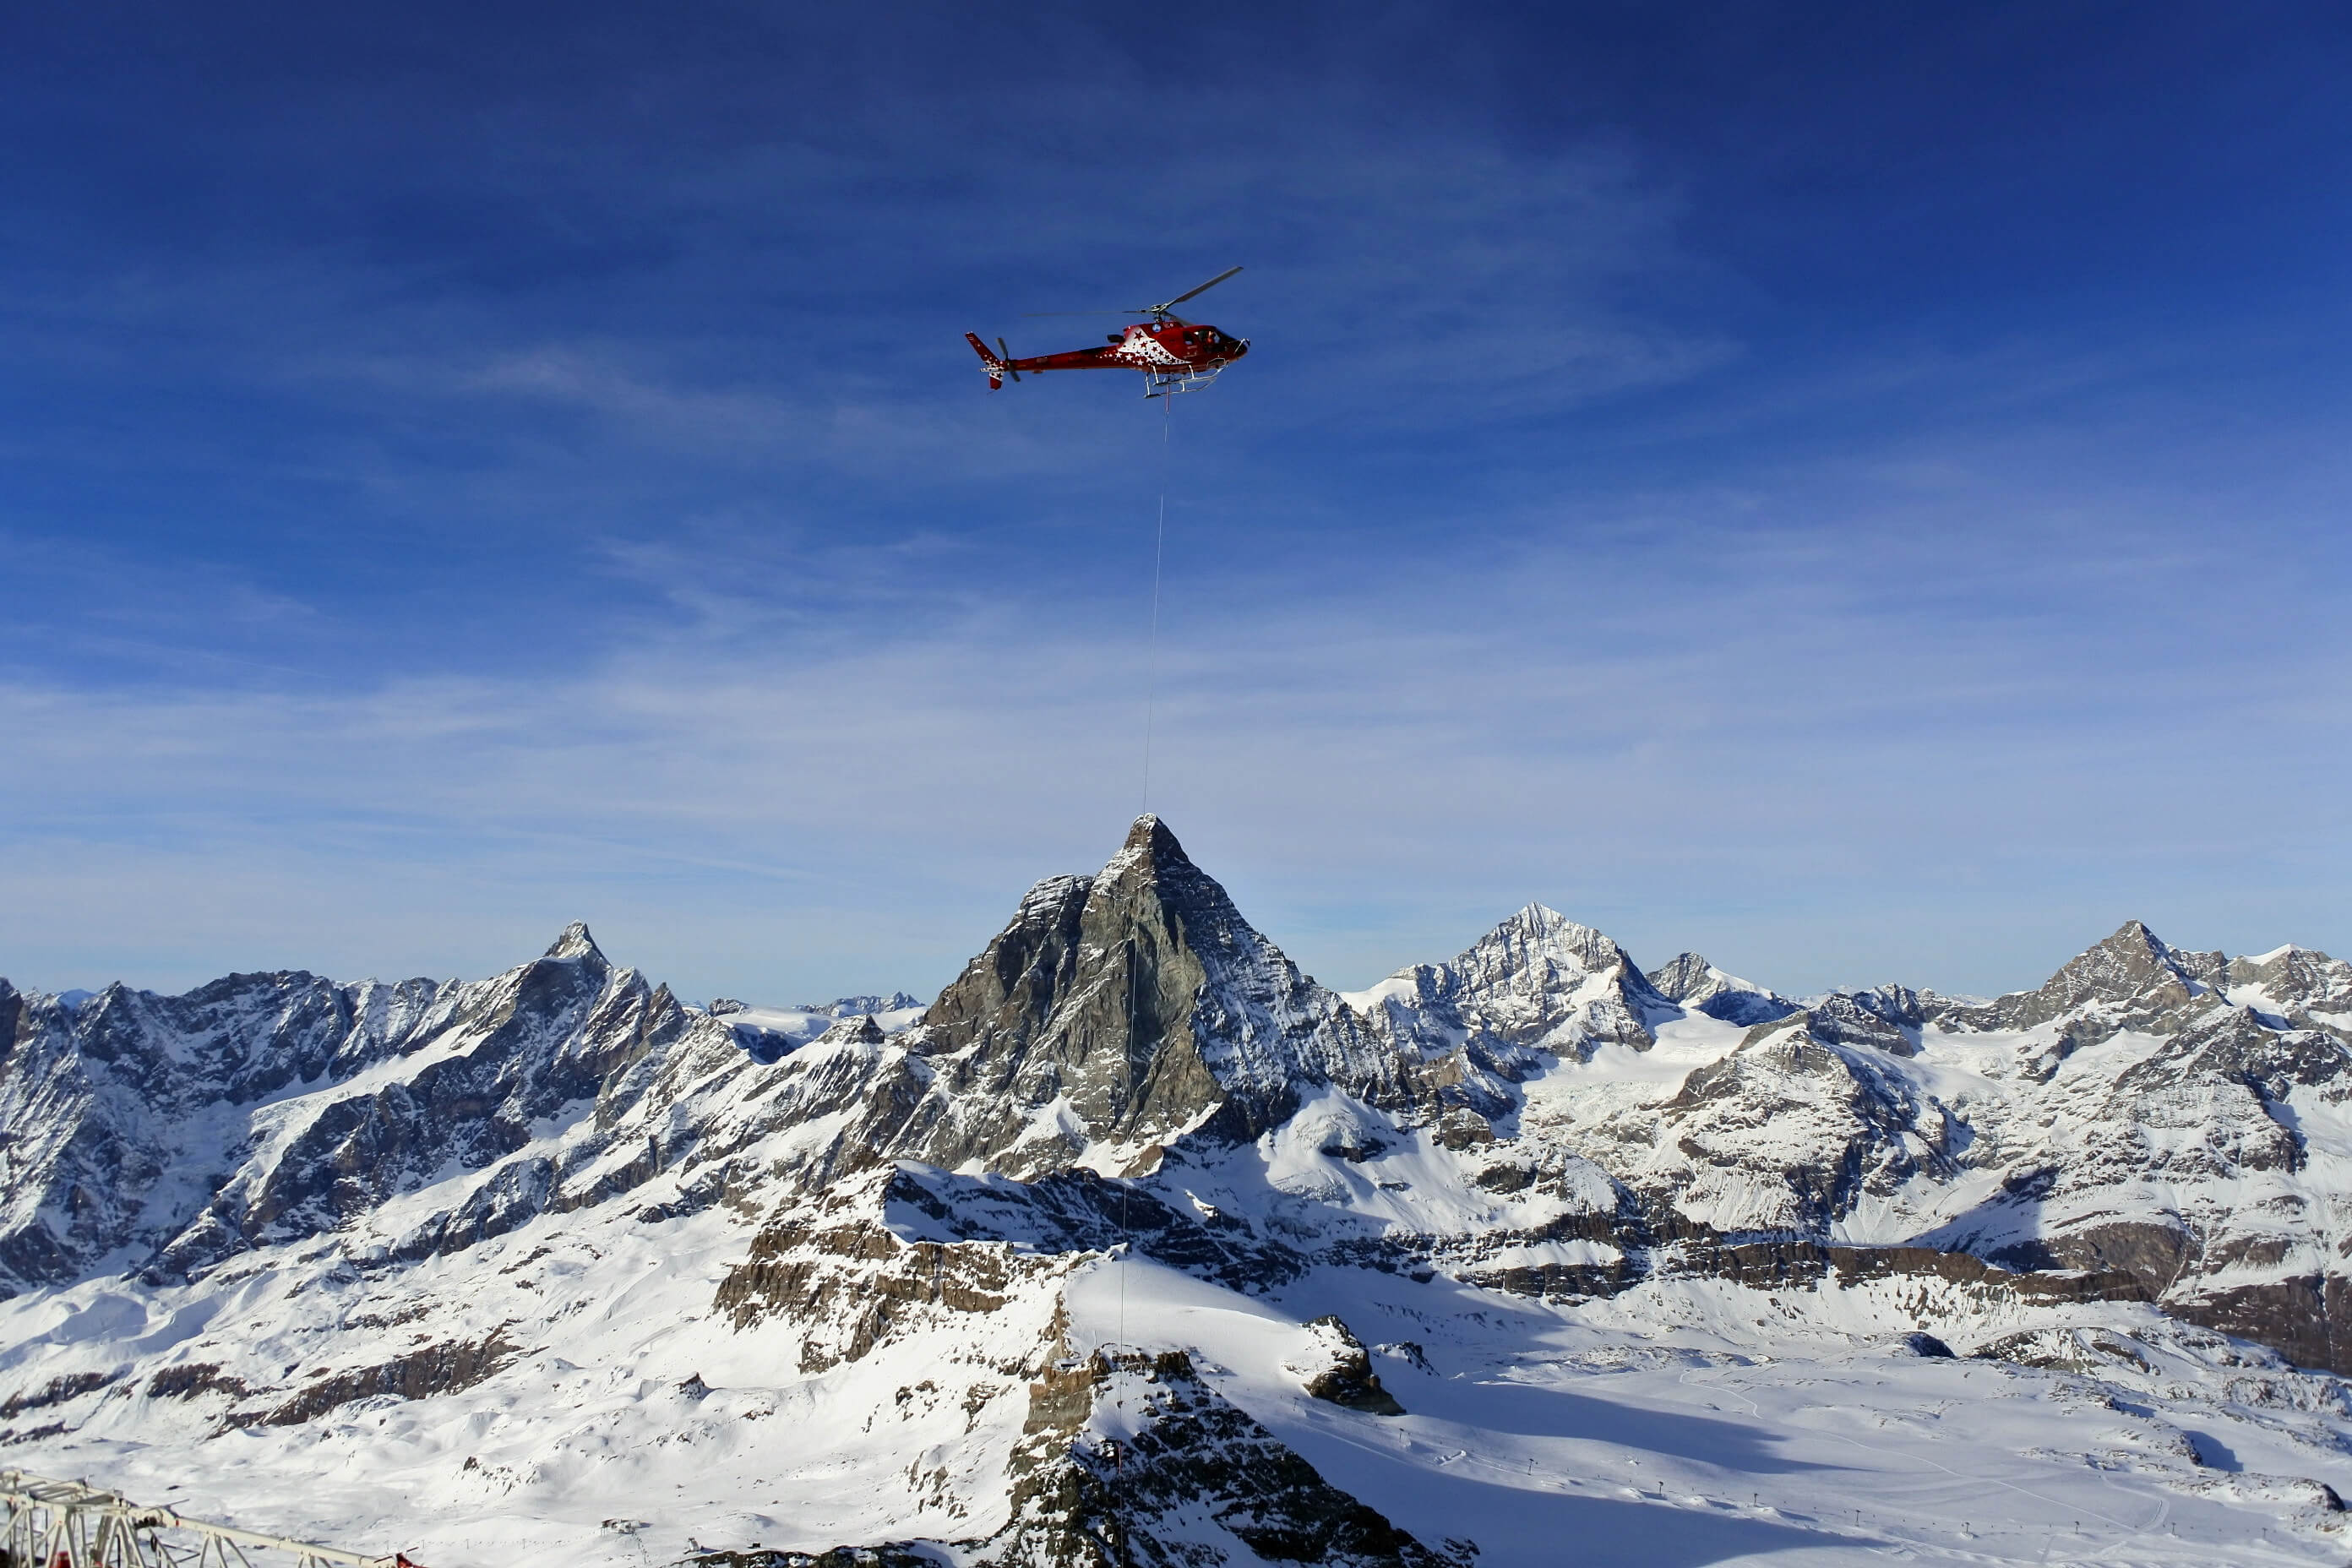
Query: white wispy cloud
1834, 752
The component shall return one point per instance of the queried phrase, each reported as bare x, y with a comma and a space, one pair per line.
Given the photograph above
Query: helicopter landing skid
1185, 378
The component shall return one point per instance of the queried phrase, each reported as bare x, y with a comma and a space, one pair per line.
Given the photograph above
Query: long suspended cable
1159, 551
1150, 698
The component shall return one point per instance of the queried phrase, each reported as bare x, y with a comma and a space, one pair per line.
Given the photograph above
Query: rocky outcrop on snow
1134, 1459
1341, 1370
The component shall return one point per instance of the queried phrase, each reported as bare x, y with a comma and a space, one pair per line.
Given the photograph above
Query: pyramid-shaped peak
1152, 872
1539, 930
2129, 980
1135, 1002
1686, 976
1149, 839
2140, 950
1543, 918
575, 942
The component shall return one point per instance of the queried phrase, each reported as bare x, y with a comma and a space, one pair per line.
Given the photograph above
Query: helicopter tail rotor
994, 363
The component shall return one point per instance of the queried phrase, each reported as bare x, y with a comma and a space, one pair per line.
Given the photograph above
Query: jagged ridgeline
282, 1204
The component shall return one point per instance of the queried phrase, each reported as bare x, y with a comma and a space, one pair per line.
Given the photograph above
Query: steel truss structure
73, 1524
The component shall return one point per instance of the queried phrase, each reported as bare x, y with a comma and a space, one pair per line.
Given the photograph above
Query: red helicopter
1174, 355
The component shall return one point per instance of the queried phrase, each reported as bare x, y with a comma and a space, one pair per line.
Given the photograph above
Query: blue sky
1856, 490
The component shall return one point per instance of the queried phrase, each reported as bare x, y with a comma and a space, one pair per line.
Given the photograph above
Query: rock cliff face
2295, 988
1129, 1459
1128, 1006
121, 1113
1689, 981
1130, 1072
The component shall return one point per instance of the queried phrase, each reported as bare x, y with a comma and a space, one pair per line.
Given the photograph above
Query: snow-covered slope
1139, 1244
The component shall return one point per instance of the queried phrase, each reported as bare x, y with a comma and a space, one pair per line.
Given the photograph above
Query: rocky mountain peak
1537, 981
1127, 1005
1152, 877
1540, 935
575, 944
1148, 839
1540, 978
2300, 986
1683, 976
2130, 981
1689, 979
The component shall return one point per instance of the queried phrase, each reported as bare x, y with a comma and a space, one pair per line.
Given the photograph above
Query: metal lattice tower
73, 1524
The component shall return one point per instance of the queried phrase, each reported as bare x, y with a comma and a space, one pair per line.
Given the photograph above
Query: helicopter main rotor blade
1165, 308
1203, 289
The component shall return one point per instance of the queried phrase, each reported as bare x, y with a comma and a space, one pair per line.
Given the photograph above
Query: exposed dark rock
2130, 981
2307, 1320
1349, 1380
1875, 1019
1141, 999
1689, 980
433, 1369
2065, 1349
1829, 1125
2299, 987
883, 1556
1083, 1502
31, 1434
1536, 983
1509, 1176
57, 1391
1693, 982
1463, 1127
190, 1380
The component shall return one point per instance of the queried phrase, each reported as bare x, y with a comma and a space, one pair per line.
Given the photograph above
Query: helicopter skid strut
1187, 378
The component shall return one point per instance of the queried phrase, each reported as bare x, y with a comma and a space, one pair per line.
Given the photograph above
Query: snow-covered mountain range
1139, 1244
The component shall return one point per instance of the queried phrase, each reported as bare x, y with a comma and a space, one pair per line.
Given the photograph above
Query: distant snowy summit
775, 1030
